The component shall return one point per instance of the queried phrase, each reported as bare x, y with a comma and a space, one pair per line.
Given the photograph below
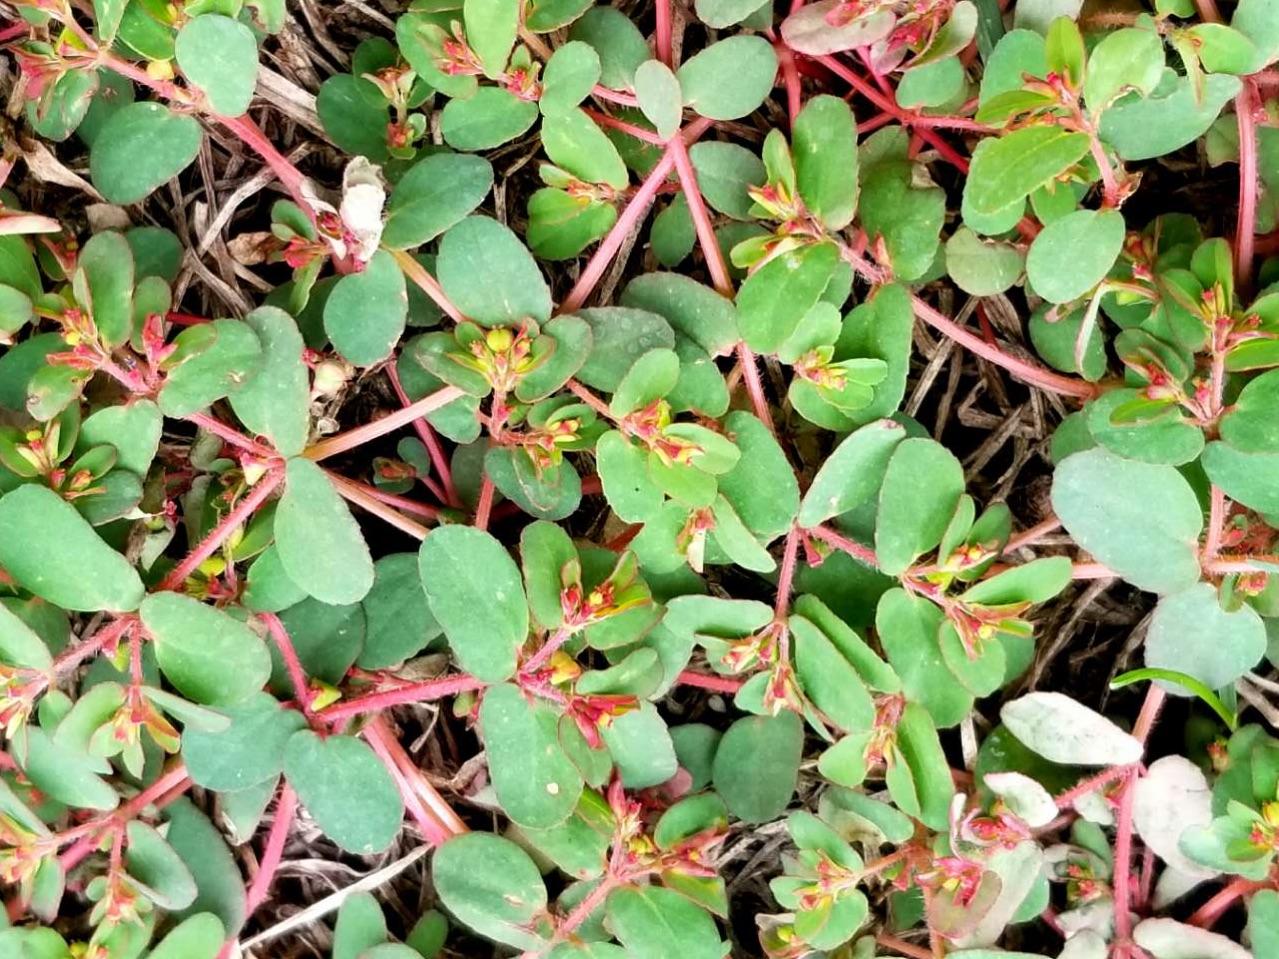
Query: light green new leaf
824, 144
773, 300
922, 485
319, 542
1007, 168
475, 592
573, 141
489, 118
1070, 256
106, 268
491, 26
50, 550
141, 146
219, 56
1128, 59
982, 267
1141, 520
346, 789
730, 78
490, 275
852, 474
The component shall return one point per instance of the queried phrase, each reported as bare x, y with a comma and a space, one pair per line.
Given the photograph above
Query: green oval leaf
319, 542
346, 789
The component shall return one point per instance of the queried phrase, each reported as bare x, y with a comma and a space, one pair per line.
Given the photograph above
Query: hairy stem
426, 434
426, 691
354, 493
416, 272
285, 811
1246, 227
219, 534
711, 681
292, 664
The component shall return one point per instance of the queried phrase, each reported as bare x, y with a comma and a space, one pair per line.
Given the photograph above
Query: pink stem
436, 804
1123, 827
169, 784
786, 577
614, 96
1091, 571
354, 493
663, 32
285, 810
292, 664
629, 219
484, 508
1216, 522
416, 272
387, 424
425, 510
790, 76
281, 166
1246, 228
863, 554
427, 435
638, 132
547, 650
1090, 785
230, 523
231, 435
423, 692
433, 831
717, 684
1206, 916
1033, 535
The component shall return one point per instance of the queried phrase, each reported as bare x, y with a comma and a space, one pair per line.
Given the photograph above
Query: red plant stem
1246, 228
484, 506
1207, 10
416, 272
1029, 373
425, 510
231, 435
547, 650
353, 493
1123, 828
590, 399
582, 911
1093, 783
427, 435
433, 831
716, 684
786, 577
1240, 564
627, 221
230, 523
102, 636
350, 439
1207, 915
920, 124
285, 811
1033, 535
601, 92
718, 269
863, 554
424, 692
662, 34
1216, 520
438, 807
790, 77
175, 781
292, 664
20, 29
902, 946
638, 132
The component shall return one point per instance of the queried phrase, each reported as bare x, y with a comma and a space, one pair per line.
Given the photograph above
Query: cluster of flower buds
648, 425
621, 590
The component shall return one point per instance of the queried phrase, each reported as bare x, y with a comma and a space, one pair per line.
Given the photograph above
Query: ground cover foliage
583, 481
